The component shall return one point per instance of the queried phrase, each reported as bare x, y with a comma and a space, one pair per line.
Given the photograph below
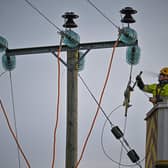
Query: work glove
155, 100
140, 82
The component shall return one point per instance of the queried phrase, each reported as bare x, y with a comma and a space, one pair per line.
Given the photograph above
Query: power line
2, 73
44, 16
94, 98
61, 32
102, 13
13, 134
14, 116
58, 105
121, 152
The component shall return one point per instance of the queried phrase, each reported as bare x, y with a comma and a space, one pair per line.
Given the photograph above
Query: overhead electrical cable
14, 116
90, 92
61, 32
99, 104
121, 151
102, 13
58, 61
58, 105
44, 16
2, 73
13, 134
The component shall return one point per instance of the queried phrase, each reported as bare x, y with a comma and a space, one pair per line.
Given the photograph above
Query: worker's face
163, 77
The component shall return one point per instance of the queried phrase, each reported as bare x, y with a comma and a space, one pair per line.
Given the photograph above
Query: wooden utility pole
72, 90
72, 110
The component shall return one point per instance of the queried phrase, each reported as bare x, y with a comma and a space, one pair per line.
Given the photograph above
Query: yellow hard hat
164, 71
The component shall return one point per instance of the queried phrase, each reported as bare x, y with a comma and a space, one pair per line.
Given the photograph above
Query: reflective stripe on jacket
156, 90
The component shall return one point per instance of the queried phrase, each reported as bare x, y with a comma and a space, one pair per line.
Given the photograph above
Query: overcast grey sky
35, 78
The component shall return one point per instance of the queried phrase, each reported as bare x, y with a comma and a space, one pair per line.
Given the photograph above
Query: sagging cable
2, 73
102, 13
94, 98
58, 106
14, 116
14, 135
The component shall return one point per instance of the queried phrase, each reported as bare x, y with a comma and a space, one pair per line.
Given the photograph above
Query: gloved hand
140, 82
155, 100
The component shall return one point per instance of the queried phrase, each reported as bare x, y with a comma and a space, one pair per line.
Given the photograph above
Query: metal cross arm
51, 49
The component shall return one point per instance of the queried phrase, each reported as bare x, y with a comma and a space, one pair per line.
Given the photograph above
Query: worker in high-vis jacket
159, 90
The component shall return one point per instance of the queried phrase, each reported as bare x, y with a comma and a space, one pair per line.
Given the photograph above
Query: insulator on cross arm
128, 35
3, 44
71, 39
133, 55
8, 62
